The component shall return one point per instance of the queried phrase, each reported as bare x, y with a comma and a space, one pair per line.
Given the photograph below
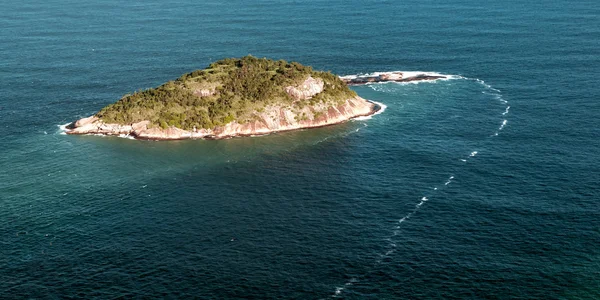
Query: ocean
482, 186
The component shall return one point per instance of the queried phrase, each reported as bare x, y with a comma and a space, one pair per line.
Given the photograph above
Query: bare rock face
391, 76
140, 127
307, 89
271, 119
86, 121
276, 118
171, 133
204, 92
388, 77
96, 126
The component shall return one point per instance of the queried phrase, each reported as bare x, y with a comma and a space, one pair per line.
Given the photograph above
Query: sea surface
482, 186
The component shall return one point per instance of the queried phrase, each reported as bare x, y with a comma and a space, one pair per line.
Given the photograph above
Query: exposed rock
271, 119
307, 89
85, 121
387, 77
140, 126
422, 78
204, 92
391, 76
97, 126
156, 133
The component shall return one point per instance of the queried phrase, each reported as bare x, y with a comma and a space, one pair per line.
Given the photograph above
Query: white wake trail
496, 93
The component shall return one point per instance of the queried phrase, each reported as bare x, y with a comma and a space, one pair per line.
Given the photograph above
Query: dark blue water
447, 194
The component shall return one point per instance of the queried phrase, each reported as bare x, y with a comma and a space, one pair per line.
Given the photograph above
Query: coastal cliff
272, 119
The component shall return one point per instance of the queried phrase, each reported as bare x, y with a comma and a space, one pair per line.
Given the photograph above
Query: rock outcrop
204, 92
271, 119
388, 77
306, 90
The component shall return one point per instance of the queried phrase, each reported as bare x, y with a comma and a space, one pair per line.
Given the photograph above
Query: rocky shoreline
389, 77
273, 119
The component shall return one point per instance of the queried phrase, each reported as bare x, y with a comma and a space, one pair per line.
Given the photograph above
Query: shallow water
483, 186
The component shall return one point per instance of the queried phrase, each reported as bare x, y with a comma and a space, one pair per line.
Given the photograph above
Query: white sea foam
392, 244
382, 108
486, 85
405, 75
502, 125
63, 127
497, 96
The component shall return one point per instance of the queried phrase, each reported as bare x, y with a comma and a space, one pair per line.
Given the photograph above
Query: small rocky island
232, 97
237, 97
389, 77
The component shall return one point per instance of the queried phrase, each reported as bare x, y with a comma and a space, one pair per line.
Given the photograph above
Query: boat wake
496, 94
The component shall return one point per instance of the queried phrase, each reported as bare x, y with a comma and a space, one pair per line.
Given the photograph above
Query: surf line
396, 231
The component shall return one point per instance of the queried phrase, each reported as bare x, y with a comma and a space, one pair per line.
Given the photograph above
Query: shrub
243, 86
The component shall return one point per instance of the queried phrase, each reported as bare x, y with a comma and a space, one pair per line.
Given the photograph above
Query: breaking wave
382, 108
63, 128
405, 75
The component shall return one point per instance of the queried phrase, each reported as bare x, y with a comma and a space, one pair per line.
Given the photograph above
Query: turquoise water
421, 201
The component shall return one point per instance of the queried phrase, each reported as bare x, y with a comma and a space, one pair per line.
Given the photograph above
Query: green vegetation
229, 89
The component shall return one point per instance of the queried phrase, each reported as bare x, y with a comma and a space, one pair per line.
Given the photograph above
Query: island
232, 97
390, 77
